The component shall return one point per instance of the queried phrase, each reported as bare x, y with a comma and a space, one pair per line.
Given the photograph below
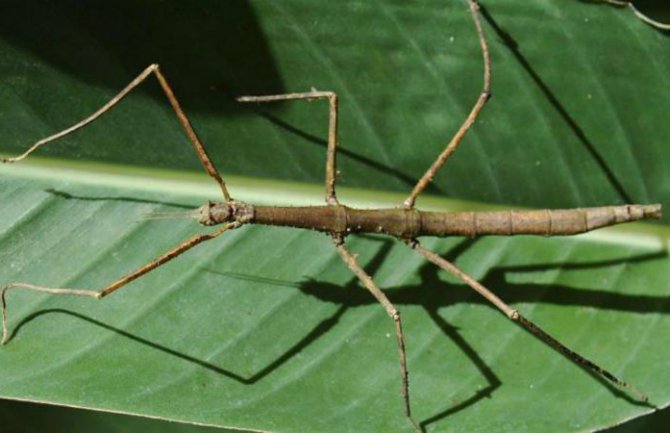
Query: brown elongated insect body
410, 223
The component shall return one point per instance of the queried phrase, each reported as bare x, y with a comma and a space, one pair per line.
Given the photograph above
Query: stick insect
405, 223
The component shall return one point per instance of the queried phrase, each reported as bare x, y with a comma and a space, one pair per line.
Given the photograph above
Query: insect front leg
154, 69
116, 285
331, 170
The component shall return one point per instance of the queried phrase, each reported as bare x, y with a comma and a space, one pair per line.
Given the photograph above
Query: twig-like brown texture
410, 223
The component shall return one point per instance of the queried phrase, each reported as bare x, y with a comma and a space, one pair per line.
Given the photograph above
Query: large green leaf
577, 119
212, 338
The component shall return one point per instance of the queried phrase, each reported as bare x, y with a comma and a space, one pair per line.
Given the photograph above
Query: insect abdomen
410, 223
534, 222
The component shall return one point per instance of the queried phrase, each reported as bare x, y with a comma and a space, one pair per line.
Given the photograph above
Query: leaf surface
264, 329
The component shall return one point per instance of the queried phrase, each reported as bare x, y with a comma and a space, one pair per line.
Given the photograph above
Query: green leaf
264, 329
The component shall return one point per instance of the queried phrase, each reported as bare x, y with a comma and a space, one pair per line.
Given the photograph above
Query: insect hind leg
469, 121
525, 323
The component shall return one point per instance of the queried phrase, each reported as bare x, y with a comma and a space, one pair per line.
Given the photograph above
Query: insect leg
350, 260
474, 113
514, 315
624, 3
331, 171
99, 294
183, 120
656, 24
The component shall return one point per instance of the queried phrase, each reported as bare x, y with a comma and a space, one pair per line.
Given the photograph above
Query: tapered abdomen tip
610, 215
652, 211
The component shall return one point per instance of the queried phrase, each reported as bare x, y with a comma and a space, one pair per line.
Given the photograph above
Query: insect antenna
190, 214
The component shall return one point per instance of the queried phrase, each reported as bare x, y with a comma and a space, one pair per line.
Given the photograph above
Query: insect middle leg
116, 285
469, 121
530, 326
331, 152
169, 93
350, 260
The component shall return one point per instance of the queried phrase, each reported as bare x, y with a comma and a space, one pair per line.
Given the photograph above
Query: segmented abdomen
534, 222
